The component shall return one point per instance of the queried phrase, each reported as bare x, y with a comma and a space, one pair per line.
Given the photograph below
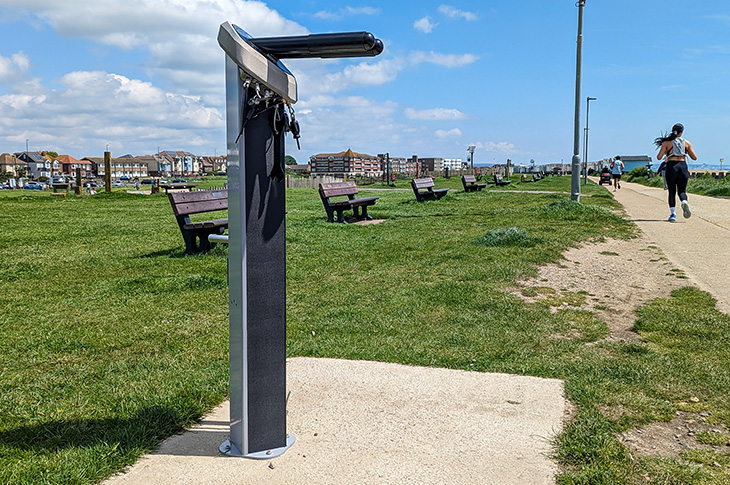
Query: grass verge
113, 340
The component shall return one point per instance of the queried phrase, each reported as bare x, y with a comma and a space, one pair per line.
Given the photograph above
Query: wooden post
78, 181
107, 171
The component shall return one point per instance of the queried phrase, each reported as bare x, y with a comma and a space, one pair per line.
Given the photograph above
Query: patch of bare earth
616, 277
682, 433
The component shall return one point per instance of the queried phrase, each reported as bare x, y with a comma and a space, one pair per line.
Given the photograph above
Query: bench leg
204, 243
330, 214
190, 244
340, 216
356, 212
365, 214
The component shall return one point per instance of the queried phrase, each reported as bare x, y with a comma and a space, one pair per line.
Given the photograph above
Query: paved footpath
700, 245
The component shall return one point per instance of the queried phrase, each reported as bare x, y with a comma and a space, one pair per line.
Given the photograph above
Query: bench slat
206, 224
338, 189
423, 183
185, 203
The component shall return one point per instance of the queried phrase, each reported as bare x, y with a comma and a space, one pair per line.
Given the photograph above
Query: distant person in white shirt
617, 168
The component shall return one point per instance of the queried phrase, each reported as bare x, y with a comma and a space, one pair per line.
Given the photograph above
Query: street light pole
585, 142
471, 149
575, 164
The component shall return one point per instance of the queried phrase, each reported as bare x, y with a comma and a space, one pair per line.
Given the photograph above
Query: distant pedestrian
136, 184
617, 168
676, 149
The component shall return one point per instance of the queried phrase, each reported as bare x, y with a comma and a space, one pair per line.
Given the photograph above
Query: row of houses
165, 164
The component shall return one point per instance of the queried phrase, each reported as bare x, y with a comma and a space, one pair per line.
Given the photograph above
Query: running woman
676, 150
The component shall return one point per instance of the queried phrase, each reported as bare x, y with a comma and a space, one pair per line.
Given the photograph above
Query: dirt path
620, 276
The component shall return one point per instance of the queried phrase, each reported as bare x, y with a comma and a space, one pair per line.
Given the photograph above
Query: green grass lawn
112, 340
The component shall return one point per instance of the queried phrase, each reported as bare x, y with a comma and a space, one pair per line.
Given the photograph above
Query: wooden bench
423, 188
196, 234
344, 189
470, 183
498, 180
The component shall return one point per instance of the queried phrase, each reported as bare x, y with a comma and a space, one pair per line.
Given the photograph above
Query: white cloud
330, 123
179, 34
181, 104
442, 134
362, 74
452, 12
436, 114
340, 14
14, 67
444, 60
424, 25
92, 108
499, 147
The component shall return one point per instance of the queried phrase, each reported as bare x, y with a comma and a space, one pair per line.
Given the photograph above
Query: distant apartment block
345, 163
120, 167
454, 164
430, 164
405, 166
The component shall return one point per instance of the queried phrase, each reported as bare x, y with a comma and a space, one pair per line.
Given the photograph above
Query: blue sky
147, 74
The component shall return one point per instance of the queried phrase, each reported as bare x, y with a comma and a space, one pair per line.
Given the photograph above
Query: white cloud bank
181, 103
93, 108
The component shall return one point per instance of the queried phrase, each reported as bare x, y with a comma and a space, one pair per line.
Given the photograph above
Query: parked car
146, 182
117, 183
33, 186
179, 181
90, 183
123, 177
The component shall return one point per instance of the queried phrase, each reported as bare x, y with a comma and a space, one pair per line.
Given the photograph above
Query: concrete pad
359, 422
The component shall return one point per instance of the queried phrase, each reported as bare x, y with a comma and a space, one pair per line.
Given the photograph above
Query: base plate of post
228, 448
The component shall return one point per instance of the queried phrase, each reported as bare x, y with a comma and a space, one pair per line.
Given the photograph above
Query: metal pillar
259, 90
585, 141
575, 162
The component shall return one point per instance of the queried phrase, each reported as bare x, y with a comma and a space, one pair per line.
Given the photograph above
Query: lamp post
585, 142
721, 160
471, 149
575, 164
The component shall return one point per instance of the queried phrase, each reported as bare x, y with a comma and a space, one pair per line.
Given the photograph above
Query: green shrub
508, 237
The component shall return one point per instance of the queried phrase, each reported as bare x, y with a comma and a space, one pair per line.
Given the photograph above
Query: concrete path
359, 422
700, 245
